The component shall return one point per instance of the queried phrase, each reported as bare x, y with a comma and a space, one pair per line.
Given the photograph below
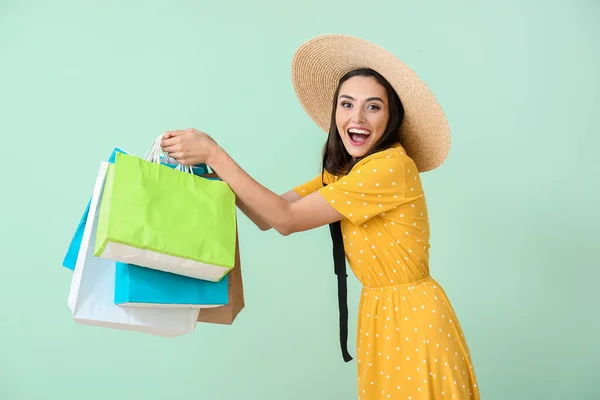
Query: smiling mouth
358, 136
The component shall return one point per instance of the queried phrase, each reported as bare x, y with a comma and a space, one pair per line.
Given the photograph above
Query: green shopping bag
166, 219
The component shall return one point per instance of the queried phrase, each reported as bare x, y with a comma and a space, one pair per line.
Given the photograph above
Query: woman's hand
189, 146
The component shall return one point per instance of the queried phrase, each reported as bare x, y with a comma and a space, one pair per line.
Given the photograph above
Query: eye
374, 107
345, 104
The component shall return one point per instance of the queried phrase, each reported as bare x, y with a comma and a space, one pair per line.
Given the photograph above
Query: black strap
339, 261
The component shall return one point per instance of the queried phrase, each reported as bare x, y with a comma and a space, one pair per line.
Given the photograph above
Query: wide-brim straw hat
318, 65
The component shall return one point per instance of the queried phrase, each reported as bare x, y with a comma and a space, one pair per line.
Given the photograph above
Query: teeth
360, 131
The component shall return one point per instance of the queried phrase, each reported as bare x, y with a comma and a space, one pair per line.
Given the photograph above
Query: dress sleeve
373, 187
309, 187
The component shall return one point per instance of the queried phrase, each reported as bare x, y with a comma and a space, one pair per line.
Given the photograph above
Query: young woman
384, 128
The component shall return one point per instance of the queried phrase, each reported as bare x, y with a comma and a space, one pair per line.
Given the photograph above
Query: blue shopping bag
71, 256
145, 287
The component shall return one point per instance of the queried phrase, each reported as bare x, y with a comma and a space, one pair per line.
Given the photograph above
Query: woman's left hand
189, 146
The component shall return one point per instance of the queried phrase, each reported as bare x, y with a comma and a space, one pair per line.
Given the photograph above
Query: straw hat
319, 64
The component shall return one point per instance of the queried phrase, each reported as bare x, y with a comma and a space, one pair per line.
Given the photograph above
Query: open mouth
358, 136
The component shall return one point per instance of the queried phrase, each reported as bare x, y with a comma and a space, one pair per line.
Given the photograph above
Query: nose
357, 116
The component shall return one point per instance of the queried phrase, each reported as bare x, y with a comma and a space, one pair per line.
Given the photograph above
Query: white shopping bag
91, 298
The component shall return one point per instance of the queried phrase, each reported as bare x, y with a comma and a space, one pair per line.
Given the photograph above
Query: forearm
254, 217
265, 208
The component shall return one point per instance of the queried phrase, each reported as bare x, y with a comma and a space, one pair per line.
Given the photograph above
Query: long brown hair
336, 159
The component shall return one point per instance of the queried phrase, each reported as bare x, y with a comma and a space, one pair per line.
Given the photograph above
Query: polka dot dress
409, 343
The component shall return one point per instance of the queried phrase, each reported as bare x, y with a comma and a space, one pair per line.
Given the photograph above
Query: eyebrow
369, 99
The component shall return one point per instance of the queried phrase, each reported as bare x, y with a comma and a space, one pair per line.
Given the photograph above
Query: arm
290, 196
191, 147
287, 214
261, 223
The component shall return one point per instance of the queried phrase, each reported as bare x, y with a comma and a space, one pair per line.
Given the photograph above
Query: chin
358, 151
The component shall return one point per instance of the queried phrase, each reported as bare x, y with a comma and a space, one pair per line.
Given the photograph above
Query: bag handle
339, 264
155, 151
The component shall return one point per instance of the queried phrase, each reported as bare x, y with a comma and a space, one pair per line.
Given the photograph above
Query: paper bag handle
154, 152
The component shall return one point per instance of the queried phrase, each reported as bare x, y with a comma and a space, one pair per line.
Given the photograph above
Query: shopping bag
166, 219
227, 314
144, 287
91, 297
73, 250
71, 256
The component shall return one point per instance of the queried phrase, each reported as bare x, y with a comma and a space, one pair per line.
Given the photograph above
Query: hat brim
319, 64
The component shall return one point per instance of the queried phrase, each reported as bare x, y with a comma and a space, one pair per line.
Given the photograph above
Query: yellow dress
409, 342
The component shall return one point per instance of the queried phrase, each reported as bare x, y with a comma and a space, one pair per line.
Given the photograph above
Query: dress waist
404, 286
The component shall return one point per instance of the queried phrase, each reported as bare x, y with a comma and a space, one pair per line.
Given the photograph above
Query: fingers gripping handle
155, 151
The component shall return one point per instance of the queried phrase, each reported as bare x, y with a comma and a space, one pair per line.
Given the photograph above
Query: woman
384, 128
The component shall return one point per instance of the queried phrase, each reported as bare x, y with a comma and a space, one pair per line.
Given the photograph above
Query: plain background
514, 210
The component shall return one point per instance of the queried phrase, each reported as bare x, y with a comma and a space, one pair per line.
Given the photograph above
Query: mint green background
514, 211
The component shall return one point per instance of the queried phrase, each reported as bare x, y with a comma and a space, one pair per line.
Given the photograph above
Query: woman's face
361, 114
